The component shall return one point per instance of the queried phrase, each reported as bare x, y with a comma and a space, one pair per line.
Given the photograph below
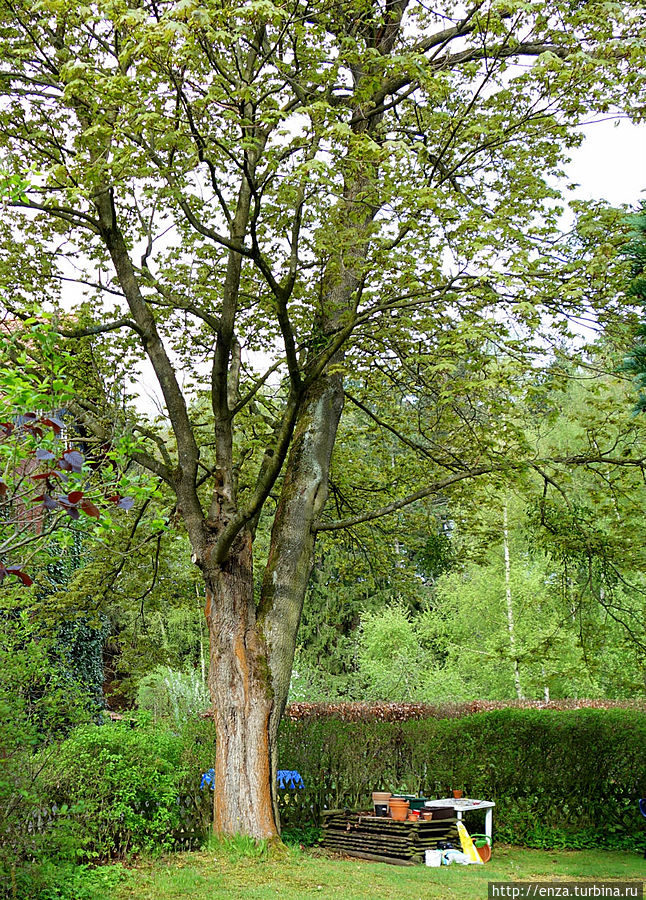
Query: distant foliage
635, 252
390, 654
169, 694
541, 767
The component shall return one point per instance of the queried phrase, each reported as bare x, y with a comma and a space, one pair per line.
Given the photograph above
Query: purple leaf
55, 424
126, 503
89, 508
74, 460
18, 572
41, 453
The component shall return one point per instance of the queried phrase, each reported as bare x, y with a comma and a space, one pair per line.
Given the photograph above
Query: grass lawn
299, 875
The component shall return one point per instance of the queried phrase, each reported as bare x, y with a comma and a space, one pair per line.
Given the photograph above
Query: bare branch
73, 216
434, 488
456, 477
98, 329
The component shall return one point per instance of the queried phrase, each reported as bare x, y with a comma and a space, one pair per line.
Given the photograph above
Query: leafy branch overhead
40, 487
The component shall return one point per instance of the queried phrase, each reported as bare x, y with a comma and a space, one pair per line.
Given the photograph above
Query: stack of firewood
381, 838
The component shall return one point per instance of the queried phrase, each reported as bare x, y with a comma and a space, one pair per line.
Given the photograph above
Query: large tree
311, 188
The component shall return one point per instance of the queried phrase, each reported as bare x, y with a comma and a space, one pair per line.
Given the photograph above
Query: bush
66, 881
39, 704
131, 786
559, 779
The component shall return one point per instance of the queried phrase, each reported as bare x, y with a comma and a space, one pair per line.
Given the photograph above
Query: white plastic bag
455, 856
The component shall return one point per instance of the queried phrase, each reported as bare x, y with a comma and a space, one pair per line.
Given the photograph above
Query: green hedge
559, 779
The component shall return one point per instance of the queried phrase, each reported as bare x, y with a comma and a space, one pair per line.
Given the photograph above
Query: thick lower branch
291, 551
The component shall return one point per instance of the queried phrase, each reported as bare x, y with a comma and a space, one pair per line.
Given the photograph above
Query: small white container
433, 858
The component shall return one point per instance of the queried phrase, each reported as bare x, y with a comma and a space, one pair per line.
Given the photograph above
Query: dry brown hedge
404, 712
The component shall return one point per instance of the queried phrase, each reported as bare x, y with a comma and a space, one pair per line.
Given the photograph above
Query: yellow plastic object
467, 845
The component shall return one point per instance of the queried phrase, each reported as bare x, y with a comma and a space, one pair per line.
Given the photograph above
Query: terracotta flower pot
457, 795
484, 852
398, 809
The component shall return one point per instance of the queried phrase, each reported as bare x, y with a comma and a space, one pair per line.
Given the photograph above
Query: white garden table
465, 805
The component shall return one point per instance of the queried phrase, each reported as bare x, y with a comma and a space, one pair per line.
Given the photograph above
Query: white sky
611, 163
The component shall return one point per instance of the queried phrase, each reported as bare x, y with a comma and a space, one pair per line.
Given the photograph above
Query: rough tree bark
292, 540
242, 697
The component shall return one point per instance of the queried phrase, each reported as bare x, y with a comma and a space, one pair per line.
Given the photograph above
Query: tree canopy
285, 206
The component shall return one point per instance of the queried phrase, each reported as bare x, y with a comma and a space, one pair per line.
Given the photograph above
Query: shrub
66, 881
39, 704
387, 711
131, 786
173, 695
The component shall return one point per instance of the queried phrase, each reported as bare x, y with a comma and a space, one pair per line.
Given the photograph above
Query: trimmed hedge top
405, 712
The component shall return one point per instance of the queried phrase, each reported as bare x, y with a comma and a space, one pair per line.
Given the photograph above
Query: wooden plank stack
382, 839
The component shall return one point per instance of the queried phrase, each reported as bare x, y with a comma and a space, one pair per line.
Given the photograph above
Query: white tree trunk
510, 606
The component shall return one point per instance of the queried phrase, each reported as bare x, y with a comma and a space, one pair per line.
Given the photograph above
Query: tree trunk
240, 685
252, 650
511, 629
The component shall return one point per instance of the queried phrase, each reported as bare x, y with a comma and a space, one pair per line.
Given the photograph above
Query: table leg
489, 824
